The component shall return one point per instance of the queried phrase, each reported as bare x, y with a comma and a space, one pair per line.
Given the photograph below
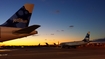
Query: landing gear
63, 47
74, 47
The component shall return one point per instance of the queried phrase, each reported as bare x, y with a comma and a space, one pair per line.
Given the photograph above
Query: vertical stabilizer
87, 37
21, 18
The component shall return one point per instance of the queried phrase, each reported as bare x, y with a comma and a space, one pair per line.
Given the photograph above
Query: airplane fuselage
76, 43
6, 33
72, 44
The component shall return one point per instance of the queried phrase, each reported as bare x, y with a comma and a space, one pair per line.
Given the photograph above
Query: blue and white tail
21, 18
87, 37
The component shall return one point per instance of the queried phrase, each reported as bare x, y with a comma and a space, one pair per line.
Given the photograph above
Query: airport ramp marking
22, 54
3, 50
3, 54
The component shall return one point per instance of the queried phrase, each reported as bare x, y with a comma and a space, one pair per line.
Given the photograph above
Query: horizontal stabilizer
27, 30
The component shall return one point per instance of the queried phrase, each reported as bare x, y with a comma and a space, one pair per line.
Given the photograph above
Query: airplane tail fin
21, 18
87, 37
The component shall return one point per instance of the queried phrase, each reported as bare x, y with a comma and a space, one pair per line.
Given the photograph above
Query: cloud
57, 30
52, 34
62, 30
56, 11
71, 26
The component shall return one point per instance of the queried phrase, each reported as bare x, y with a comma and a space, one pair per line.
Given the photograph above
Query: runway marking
3, 54
22, 54
2, 50
5, 50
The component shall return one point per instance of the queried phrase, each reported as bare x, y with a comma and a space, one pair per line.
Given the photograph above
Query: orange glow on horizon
35, 41
42, 39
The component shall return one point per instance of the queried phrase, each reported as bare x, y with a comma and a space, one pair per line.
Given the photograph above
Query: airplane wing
27, 29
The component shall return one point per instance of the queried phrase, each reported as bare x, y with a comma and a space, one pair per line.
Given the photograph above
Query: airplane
75, 44
17, 25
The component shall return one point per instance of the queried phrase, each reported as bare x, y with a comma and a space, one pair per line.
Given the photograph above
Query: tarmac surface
53, 53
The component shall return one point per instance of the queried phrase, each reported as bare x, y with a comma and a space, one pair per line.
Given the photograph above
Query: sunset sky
60, 20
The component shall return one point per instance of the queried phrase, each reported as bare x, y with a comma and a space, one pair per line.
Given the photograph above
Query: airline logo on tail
19, 20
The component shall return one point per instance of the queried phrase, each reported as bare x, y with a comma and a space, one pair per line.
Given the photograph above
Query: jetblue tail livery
21, 18
76, 43
87, 37
17, 25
